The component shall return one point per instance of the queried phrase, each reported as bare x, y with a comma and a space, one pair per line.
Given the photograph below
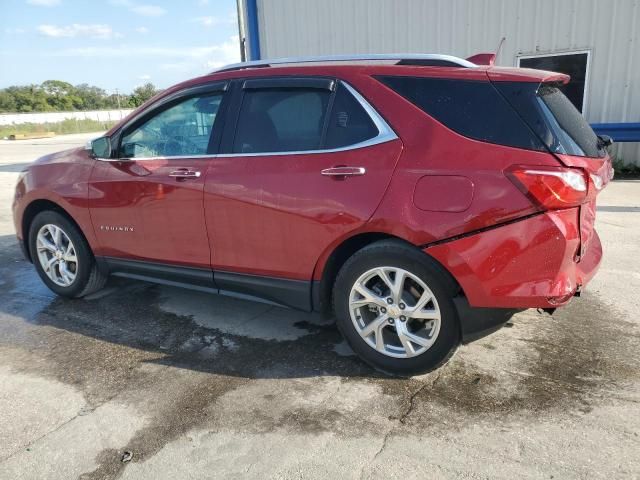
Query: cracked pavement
202, 386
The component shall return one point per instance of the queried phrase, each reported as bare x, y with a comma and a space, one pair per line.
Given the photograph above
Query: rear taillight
551, 187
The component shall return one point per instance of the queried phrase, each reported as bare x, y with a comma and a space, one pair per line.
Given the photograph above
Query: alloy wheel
395, 312
57, 255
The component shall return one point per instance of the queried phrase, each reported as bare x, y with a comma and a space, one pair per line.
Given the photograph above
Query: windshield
552, 116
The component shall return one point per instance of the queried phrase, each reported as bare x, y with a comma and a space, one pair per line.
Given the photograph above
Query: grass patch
66, 126
625, 170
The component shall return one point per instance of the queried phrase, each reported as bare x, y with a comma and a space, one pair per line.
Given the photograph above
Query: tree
29, 98
56, 88
93, 98
142, 93
56, 95
60, 95
7, 102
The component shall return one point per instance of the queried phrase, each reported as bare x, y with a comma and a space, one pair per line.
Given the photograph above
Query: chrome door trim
385, 134
177, 157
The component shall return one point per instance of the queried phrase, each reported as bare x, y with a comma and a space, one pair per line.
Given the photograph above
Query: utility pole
118, 97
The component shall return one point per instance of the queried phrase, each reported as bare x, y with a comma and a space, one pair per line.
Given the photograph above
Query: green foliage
60, 128
625, 170
59, 96
142, 94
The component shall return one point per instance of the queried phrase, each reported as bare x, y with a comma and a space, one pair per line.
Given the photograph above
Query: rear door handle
185, 173
343, 171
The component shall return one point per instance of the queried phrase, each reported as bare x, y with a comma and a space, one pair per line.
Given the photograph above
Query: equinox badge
111, 228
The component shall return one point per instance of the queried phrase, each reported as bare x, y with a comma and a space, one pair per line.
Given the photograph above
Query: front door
149, 206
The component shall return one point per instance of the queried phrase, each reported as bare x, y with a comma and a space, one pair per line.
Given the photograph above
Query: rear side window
474, 109
349, 123
553, 117
281, 120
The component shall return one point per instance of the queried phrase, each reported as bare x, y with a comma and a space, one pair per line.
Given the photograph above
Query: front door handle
343, 171
185, 173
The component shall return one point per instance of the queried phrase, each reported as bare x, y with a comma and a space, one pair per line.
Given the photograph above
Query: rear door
308, 162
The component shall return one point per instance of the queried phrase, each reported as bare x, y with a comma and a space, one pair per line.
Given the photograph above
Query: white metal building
596, 41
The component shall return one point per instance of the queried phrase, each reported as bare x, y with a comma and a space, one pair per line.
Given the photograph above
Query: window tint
349, 123
553, 117
281, 120
183, 129
573, 64
474, 109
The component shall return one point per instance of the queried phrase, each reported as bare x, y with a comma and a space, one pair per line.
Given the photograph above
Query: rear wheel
394, 306
62, 256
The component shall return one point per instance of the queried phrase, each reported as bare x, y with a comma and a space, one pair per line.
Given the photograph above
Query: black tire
88, 277
395, 253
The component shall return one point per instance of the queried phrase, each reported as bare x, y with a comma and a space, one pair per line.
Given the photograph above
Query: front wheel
62, 256
394, 305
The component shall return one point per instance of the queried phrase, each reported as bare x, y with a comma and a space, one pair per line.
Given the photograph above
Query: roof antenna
502, 40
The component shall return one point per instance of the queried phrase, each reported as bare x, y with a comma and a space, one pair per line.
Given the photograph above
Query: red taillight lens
551, 187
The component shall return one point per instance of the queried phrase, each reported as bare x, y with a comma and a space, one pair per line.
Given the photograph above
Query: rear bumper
532, 263
478, 322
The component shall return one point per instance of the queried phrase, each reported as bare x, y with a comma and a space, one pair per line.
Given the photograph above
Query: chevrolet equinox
422, 199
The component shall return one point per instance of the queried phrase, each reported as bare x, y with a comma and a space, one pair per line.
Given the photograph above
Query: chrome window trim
176, 157
397, 57
385, 134
206, 89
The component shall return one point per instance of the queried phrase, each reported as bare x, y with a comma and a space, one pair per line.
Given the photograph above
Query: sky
115, 44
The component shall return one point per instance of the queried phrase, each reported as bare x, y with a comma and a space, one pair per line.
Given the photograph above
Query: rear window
553, 117
281, 120
275, 119
474, 109
349, 123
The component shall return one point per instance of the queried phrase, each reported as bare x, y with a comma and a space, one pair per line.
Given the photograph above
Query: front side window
183, 129
281, 120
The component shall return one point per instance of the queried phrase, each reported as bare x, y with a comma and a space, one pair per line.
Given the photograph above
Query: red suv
422, 199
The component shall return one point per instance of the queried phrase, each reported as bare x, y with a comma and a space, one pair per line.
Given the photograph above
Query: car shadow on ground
179, 328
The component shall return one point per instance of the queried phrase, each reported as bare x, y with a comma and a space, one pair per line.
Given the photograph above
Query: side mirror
101, 147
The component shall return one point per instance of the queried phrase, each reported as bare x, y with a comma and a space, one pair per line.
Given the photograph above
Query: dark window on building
474, 109
281, 120
349, 123
573, 64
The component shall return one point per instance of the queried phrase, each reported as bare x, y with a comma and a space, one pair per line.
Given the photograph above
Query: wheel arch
331, 262
36, 207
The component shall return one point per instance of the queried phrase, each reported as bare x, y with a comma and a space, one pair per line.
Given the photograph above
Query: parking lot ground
202, 386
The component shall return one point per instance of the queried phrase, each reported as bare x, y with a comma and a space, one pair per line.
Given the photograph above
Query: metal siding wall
463, 27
